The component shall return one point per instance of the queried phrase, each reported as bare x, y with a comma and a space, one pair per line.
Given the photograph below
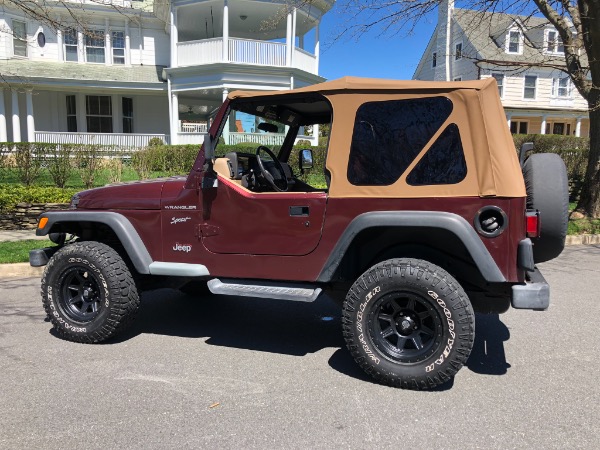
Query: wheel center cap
405, 325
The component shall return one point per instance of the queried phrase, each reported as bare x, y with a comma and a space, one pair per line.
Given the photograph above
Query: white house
125, 71
520, 53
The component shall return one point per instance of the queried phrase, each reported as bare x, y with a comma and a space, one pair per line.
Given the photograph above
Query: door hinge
206, 230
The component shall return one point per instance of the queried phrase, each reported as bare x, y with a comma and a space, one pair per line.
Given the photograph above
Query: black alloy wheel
81, 298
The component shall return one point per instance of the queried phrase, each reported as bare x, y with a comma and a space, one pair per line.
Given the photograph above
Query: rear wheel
409, 324
88, 292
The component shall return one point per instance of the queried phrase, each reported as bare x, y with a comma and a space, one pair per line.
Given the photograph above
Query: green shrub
12, 194
29, 157
88, 159
155, 142
573, 150
60, 164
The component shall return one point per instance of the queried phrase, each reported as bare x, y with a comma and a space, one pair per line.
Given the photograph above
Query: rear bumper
533, 294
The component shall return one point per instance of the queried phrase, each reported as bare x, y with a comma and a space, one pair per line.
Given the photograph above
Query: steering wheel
267, 175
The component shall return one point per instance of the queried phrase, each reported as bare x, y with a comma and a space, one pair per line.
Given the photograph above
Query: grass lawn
18, 251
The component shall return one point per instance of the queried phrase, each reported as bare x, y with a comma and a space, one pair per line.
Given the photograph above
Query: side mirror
305, 159
209, 147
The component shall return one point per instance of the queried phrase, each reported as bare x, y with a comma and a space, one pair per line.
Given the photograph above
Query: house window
529, 86
70, 38
500, 81
94, 46
458, 51
554, 43
19, 38
118, 47
561, 87
514, 42
71, 114
127, 104
98, 113
519, 127
434, 59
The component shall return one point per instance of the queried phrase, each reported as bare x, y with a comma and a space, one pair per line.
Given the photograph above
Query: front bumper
40, 257
533, 294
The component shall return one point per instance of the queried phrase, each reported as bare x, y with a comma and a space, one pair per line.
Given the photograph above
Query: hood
132, 195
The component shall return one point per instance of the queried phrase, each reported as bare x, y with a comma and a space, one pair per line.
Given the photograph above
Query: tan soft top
493, 168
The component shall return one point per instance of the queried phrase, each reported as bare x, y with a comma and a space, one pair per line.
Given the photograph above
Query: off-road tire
399, 304
547, 186
88, 292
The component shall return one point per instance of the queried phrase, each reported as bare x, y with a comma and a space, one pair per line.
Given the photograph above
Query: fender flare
423, 219
125, 231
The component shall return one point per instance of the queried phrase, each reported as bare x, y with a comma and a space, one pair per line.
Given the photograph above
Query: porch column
175, 118
16, 121
226, 127
288, 41
80, 47
225, 31
293, 49
3, 131
107, 43
543, 130
174, 36
81, 114
127, 44
317, 47
316, 134
30, 120
578, 127
59, 40
117, 113
508, 119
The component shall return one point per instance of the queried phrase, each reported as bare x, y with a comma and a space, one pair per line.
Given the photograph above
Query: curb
25, 270
583, 239
21, 270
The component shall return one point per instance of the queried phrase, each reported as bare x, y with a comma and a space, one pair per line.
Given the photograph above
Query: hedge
12, 194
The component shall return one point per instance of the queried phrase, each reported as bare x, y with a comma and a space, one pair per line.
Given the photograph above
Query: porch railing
254, 138
193, 128
122, 140
242, 51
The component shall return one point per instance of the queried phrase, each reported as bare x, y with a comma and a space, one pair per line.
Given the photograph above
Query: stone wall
25, 215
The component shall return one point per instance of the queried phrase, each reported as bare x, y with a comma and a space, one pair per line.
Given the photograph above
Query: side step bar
264, 289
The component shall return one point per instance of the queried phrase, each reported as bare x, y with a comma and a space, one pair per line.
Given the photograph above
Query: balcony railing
242, 51
193, 128
121, 140
255, 138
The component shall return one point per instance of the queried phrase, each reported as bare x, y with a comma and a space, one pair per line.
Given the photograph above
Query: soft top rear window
388, 135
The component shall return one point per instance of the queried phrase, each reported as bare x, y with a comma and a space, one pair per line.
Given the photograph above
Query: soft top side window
388, 135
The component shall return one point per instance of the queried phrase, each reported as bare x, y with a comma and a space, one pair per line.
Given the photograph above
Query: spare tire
548, 192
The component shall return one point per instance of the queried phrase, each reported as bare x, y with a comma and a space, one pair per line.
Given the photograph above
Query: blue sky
372, 55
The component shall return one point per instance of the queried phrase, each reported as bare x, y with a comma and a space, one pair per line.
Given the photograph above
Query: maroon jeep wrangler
425, 215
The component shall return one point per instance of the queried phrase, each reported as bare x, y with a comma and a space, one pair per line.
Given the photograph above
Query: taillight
533, 223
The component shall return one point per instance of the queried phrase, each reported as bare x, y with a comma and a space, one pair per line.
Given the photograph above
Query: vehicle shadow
488, 356
290, 328
275, 326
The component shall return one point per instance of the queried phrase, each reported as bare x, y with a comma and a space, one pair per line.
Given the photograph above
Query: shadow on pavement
487, 356
274, 326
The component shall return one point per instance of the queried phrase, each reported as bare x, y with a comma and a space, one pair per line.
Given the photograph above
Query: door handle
299, 211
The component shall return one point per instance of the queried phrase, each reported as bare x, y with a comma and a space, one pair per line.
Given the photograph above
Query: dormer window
458, 51
434, 59
514, 42
554, 43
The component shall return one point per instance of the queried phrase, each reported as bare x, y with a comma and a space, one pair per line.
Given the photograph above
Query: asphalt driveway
238, 373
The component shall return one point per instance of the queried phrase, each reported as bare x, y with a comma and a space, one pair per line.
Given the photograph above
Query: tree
577, 23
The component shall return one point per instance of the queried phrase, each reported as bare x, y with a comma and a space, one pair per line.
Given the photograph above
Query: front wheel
408, 324
88, 292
